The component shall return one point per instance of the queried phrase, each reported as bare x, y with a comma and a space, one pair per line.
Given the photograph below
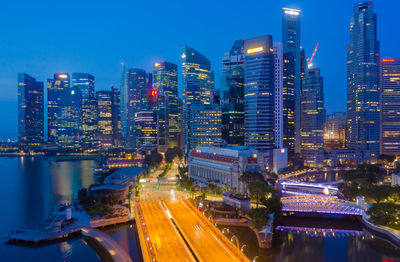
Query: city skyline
331, 61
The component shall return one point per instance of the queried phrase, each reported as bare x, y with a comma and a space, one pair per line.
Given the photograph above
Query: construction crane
309, 60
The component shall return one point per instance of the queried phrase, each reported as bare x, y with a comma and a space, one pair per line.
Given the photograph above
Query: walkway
117, 253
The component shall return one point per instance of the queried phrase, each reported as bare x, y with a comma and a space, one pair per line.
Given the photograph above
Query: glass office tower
165, 79
88, 114
390, 106
259, 98
109, 118
291, 79
197, 82
30, 110
57, 92
232, 94
363, 82
312, 118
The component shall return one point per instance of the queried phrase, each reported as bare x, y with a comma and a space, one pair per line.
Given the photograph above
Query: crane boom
309, 64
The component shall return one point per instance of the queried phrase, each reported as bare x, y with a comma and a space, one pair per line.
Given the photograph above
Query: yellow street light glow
255, 50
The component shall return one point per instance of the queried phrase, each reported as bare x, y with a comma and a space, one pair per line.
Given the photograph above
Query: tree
257, 189
378, 193
383, 213
170, 155
387, 158
153, 160
259, 217
273, 205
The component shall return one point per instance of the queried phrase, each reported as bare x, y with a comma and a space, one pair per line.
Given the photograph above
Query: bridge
302, 189
320, 205
170, 228
319, 232
108, 244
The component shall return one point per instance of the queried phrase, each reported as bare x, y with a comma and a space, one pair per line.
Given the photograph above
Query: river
31, 187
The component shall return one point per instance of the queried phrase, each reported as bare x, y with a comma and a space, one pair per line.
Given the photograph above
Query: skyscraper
109, 118
232, 94
134, 82
259, 98
197, 81
278, 56
57, 91
291, 79
165, 79
363, 82
88, 108
204, 125
312, 118
30, 110
390, 106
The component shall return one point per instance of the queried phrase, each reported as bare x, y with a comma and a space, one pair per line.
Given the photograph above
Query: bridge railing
147, 242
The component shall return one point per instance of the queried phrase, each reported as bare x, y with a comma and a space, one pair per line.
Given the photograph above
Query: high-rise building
57, 91
335, 131
88, 114
197, 81
133, 83
390, 106
291, 79
312, 118
232, 94
146, 131
278, 56
109, 117
259, 98
30, 110
165, 79
204, 125
363, 82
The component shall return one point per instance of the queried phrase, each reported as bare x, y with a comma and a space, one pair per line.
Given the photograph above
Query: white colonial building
223, 165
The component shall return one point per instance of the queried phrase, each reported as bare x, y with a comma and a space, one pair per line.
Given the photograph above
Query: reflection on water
321, 177
29, 189
351, 243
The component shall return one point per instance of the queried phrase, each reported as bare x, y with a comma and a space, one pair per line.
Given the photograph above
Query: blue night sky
44, 37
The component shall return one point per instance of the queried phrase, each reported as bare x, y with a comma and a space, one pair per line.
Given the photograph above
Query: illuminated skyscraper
291, 79
165, 80
363, 82
259, 98
232, 94
204, 125
88, 109
312, 118
390, 106
57, 91
109, 118
30, 110
134, 82
198, 80
278, 56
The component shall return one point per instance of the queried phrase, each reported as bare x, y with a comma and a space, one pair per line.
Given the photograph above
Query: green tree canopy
258, 189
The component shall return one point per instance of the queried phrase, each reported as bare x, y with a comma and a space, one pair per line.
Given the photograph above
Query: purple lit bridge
320, 206
319, 232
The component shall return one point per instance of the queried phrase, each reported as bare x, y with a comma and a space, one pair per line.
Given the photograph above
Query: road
166, 241
202, 239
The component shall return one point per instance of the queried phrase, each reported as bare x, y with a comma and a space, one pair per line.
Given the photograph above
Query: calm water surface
29, 189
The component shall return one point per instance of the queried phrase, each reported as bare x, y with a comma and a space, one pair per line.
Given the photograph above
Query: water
321, 177
29, 189
298, 246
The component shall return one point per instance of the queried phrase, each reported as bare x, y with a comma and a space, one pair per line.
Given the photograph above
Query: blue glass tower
363, 82
30, 110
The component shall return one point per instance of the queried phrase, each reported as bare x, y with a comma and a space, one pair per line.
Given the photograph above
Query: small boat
100, 171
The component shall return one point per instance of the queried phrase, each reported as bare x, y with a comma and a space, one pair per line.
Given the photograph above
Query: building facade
204, 125
312, 118
232, 94
390, 107
165, 79
197, 82
259, 98
109, 117
57, 89
223, 165
291, 79
363, 82
335, 131
278, 120
88, 109
30, 110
